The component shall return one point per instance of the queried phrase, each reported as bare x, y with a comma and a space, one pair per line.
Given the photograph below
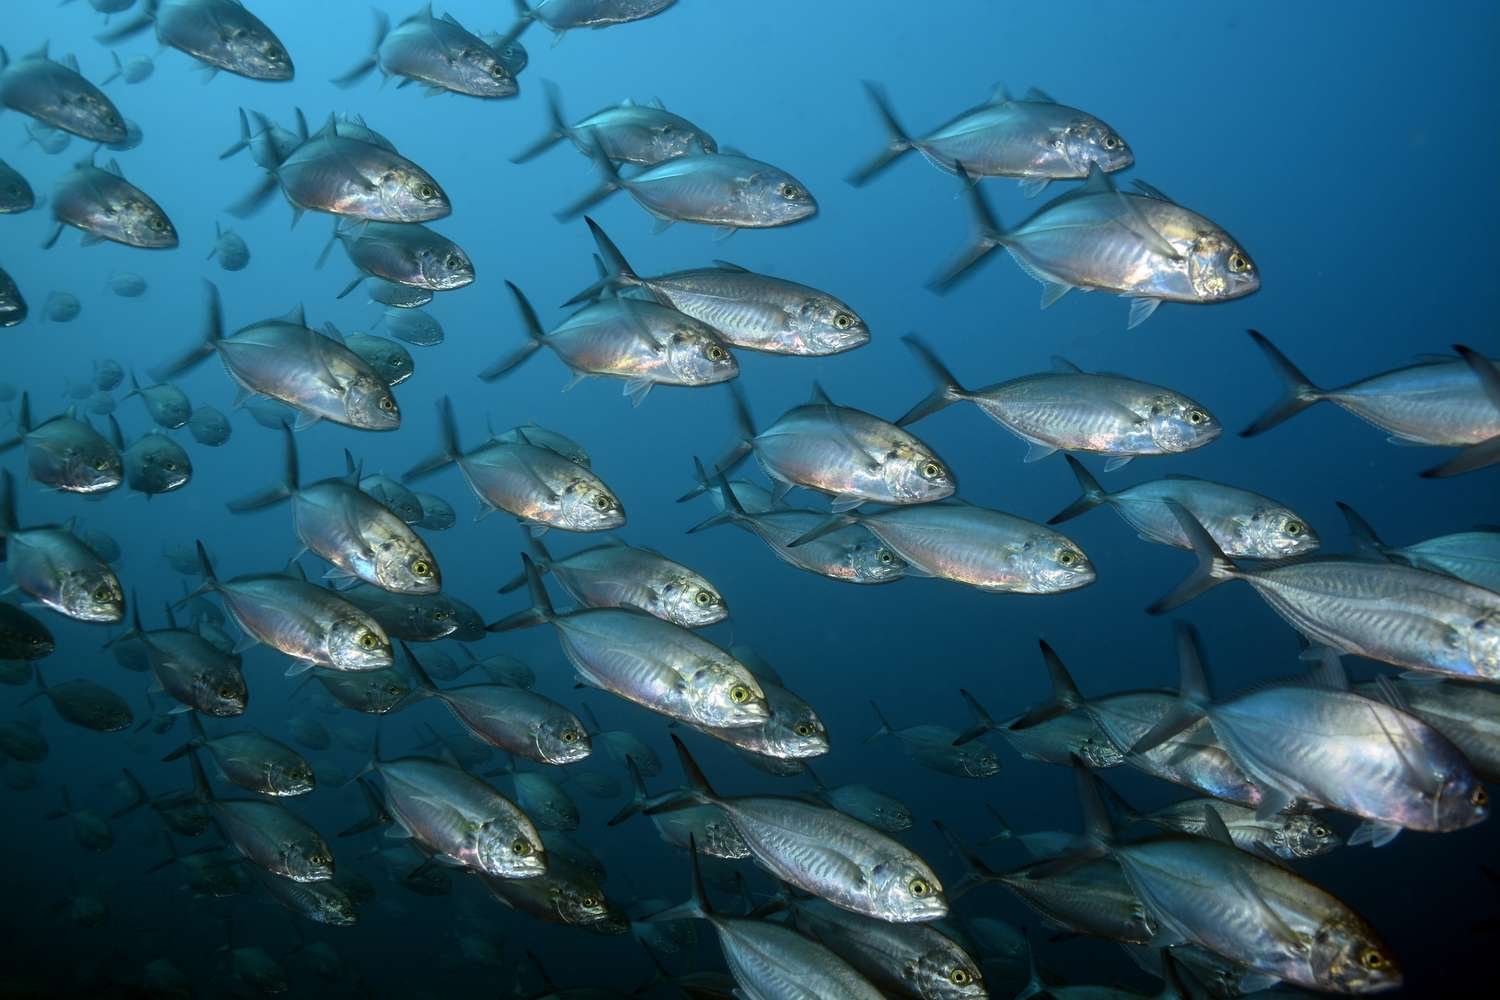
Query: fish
194, 671
354, 531
390, 360
1447, 402
659, 666
108, 374
413, 326
715, 189
209, 426
539, 487
503, 669
15, 193
23, 741
22, 636
517, 721
133, 138
1289, 836
1243, 523
437, 513
311, 625
310, 734
320, 902
417, 617
701, 827
136, 69
849, 553
289, 362
372, 691
564, 894
784, 742
541, 798
13, 309
266, 834
1072, 410
252, 761
1138, 244
127, 284
90, 830
935, 747
101, 203
623, 747
564, 15
154, 463
553, 441
85, 704
406, 253
616, 575
54, 568
642, 134
61, 307
863, 803
1471, 556
1396, 614
1322, 745
824, 852
986, 549
50, 140
755, 311
55, 94
1465, 713
167, 404
220, 34
436, 52
231, 249
764, 958
389, 493
644, 343
1032, 138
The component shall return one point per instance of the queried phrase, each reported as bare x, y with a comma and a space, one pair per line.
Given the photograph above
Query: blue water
1350, 150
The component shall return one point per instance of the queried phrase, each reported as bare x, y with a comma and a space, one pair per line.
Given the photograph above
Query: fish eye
918, 887
453, 260
421, 568
960, 977
226, 691
1479, 797
843, 321
1067, 557
790, 191
803, 729
1372, 959
569, 736
100, 464
1238, 262
169, 465
427, 191
589, 902
440, 615
393, 690
716, 353
603, 502
931, 470
157, 223
520, 848
103, 593
367, 640
497, 71
1110, 142
886, 557
387, 403
1320, 831
704, 599
1196, 417
739, 694
1293, 528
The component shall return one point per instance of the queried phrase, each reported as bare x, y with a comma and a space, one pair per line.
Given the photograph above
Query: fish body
221, 34
13, 308
407, 254
439, 53
230, 248
55, 94
563, 15
914, 960
622, 576
105, 206
717, 189
15, 193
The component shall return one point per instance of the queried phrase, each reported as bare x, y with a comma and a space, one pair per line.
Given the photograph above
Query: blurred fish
23, 637
1243, 523
437, 52
643, 134
85, 704
391, 361
715, 189
15, 194
644, 343
536, 485
220, 34
616, 575
90, 830
12, 304
285, 360
623, 747
50, 140
127, 284
1471, 556
55, 94
266, 834
405, 253
417, 617
15, 672
781, 744
864, 804
1033, 139
100, 404
154, 463
271, 414
252, 761
53, 567
190, 668
562, 15
320, 902
503, 669
933, 747
1396, 614
563, 894
231, 249
108, 374
309, 733
372, 691
67, 454
61, 307
749, 310
1073, 410
437, 513
541, 798
105, 206
553, 441
133, 70
394, 497
1141, 245
1449, 402
182, 557
133, 138
23, 741
397, 296
1289, 836
160, 978
209, 426
413, 326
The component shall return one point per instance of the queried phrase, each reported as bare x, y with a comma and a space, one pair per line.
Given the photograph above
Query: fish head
1218, 268
87, 112
307, 860
587, 505
92, 594
513, 56
290, 777
1345, 956
892, 816
871, 561
335, 908
357, 643
697, 355
797, 736
369, 403
977, 760
483, 72
506, 851
1178, 424
690, 601
913, 474
404, 566
141, 222
1088, 141
1461, 800
671, 139
165, 468
723, 694
1054, 564
94, 466
829, 326
257, 53
446, 269
1482, 638
579, 904
409, 194
1276, 533
562, 739
1307, 836
220, 693
945, 973
776, 198
907, 891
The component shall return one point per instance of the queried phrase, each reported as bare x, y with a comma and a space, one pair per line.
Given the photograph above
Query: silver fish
1243, 523
413, 326
396, 498
231, 249
391, 361
252, 761
1074, 410
209, 426
372, 691
542, 799
133, 70
643, 134
15, 194
437, 52
53, 567
127, 284
1467, 714
320, 902
397, 296
562, 15
417, 617
13, 309
105, 206
915, 960
90, 830
266, 834
1450, 402
792, 734
755, 311
1471, 556
938, 748
702, 827
864, 804
1397, 614
1287, 836
85, 704
55, 94
623, 747
405, 253
644, 343
1033, 139
167, 404
563, 894
221, 34
191, 669
66, 454
61, 307
23, 637
154, 463
1140, 244
437, 513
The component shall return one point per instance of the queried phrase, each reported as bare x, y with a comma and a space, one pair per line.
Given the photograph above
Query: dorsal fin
1001, 94
41, 53
332, 332
1214, 828
113, 167
71, 61
725, 265
297, 315
1062, 364
1329, 673
819, 397
1151, 191
1098, 181
1039, 95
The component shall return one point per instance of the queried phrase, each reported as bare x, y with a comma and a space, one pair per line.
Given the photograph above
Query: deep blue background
1350, 150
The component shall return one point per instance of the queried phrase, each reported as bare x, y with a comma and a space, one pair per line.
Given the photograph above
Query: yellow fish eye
932, 470
427, 191
368, 640
1238, 263
704, 599
716, 353
960, 977
1372, 959
104, 593
918, 887
1294, 527
1479, 797
804, 729
789, 191
589, 902
569, 736
843, 321
520, 848
421, 568
1067, 558
739, 694
387, 403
